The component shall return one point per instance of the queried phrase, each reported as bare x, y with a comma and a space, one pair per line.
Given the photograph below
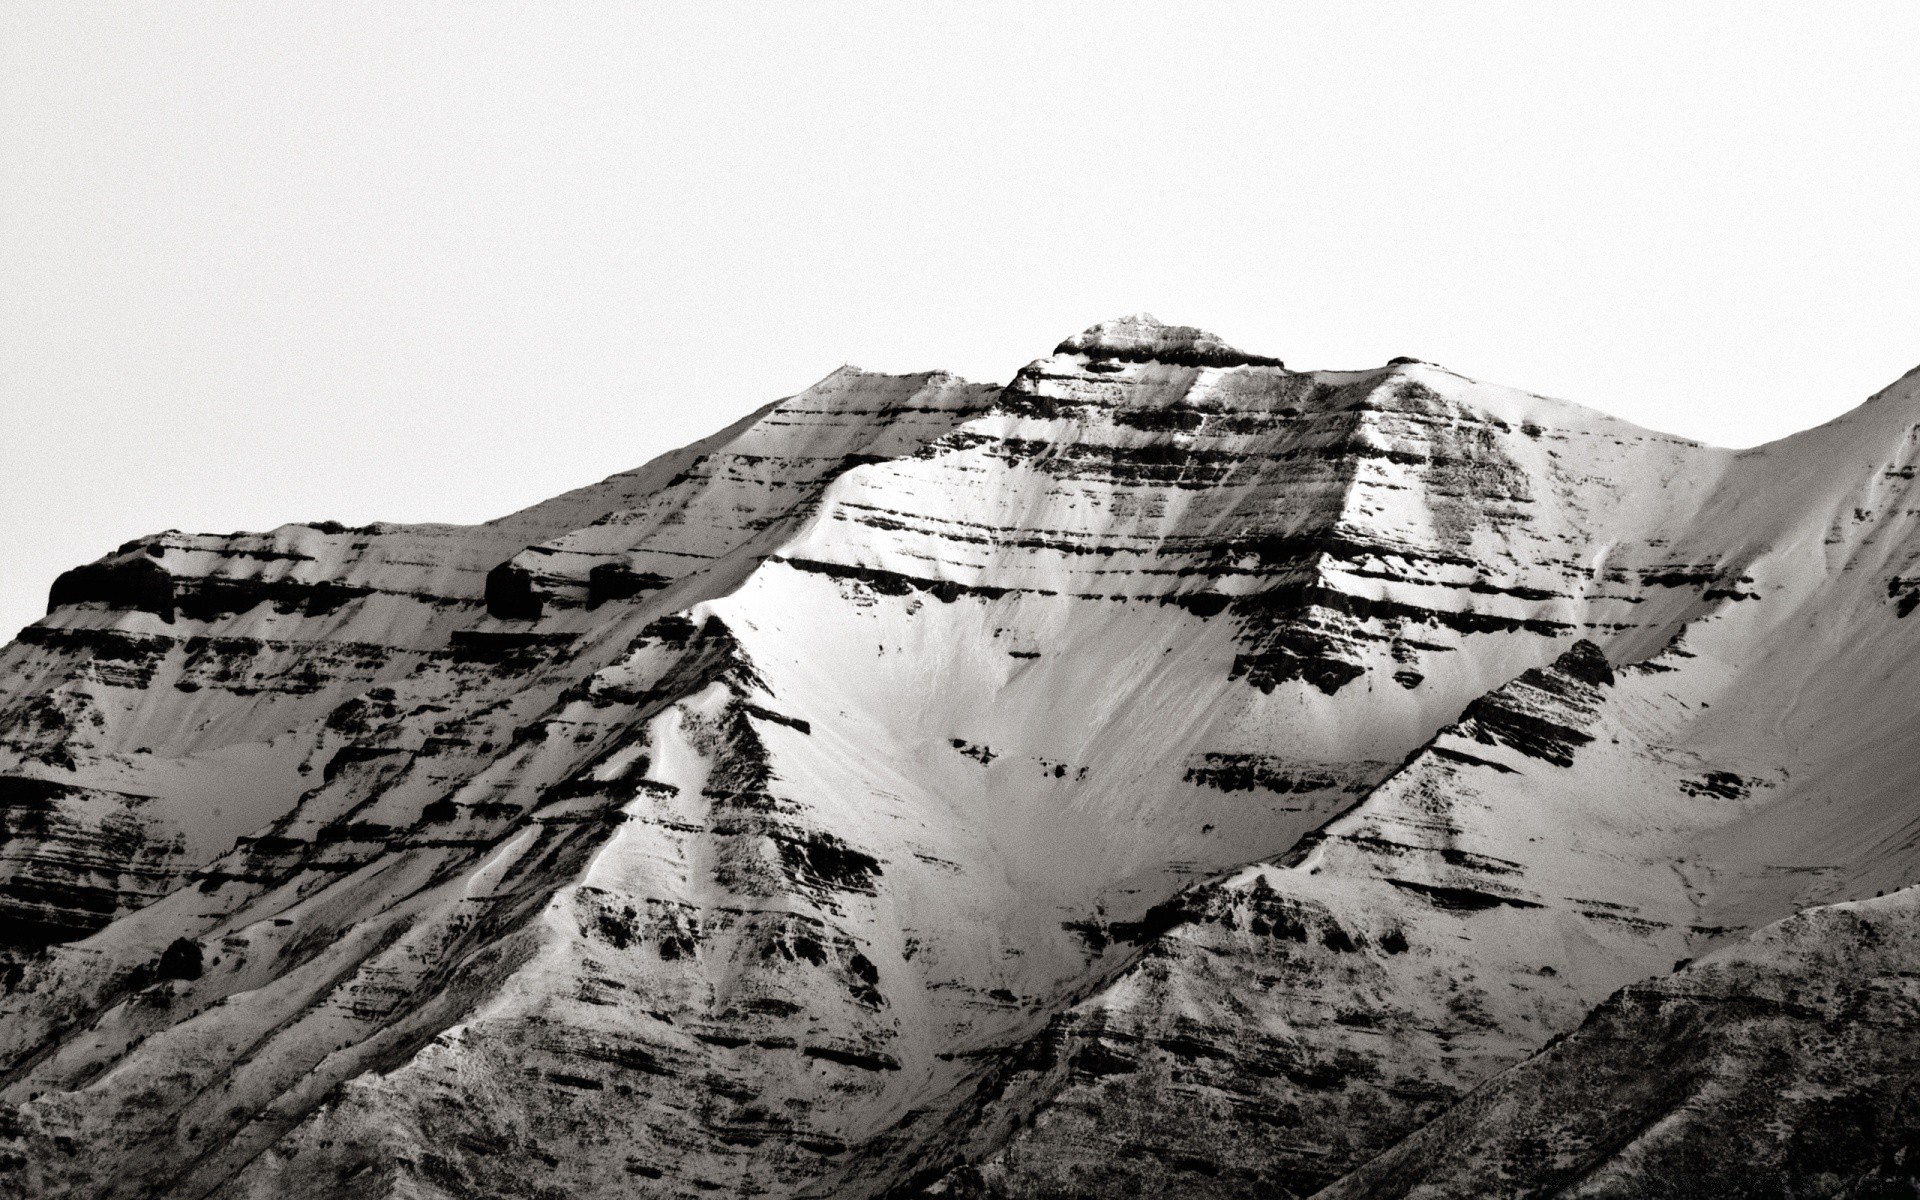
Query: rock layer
1167, 771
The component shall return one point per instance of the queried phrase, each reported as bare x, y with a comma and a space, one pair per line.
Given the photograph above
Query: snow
931, 693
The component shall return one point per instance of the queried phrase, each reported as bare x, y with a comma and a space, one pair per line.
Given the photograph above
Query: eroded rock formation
1169, 773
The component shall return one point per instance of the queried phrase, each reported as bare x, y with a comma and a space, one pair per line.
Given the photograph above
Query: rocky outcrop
76, 857
1166, 771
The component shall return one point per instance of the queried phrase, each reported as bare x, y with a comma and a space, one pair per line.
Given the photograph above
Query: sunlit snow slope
1167, 772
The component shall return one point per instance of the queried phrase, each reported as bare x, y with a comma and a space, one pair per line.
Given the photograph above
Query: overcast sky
263, 262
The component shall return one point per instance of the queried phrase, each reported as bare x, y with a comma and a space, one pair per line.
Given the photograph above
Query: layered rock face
1168, 772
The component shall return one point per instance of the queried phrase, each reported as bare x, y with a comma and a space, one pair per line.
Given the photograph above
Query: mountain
1167, 773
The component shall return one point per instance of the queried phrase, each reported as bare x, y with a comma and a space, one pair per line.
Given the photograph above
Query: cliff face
1165, 771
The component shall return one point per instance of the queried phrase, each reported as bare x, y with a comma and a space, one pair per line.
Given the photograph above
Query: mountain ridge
890, 765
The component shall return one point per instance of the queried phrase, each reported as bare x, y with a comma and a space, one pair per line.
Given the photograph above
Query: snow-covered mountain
1168, 773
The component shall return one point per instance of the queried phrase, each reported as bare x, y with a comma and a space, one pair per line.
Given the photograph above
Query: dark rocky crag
1168, 772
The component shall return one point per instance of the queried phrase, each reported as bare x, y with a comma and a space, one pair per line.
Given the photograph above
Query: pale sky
263, 262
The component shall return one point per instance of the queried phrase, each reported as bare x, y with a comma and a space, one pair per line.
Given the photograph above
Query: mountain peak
1043, 784
1143, 337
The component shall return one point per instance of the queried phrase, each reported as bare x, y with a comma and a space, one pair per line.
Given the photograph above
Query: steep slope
805, 812
178, 692
1779, 1064
1578, 830
1787, 1066
1312, 1011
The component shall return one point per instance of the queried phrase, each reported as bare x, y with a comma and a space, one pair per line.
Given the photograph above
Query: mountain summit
1167, 772
1144, 338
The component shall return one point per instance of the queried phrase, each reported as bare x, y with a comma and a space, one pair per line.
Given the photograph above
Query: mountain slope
1787, 1066
1569, 836
921, 774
